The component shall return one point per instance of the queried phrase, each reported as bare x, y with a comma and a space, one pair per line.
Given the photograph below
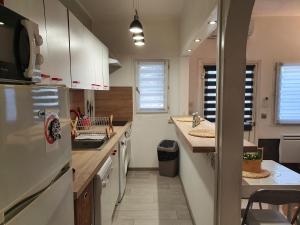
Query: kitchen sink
119, 123
88, 142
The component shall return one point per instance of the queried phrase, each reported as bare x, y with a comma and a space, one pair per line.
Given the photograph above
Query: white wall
198, 180
275, 39
162, 42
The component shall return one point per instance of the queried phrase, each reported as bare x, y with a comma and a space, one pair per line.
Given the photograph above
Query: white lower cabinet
115, 175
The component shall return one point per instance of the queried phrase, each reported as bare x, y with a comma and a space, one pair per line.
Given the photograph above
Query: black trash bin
168, 157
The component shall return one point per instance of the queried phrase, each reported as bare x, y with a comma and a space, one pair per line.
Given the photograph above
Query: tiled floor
152, 200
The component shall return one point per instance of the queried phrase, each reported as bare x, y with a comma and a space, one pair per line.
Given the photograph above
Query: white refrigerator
35, 154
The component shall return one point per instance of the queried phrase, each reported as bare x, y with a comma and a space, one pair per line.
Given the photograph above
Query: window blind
288, 94
152, 86
210, 94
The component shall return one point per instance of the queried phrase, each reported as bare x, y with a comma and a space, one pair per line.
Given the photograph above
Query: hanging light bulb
138, 37
136, 26
139, 43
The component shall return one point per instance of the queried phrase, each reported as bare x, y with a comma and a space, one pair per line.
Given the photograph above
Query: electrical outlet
263, 116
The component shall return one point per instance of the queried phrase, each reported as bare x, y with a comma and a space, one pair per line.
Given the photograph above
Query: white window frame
277, 88
166, 87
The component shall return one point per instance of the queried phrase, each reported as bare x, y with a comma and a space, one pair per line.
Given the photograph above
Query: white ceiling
276, 8
123, 9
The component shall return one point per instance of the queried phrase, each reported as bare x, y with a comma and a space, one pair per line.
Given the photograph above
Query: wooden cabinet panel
84, 207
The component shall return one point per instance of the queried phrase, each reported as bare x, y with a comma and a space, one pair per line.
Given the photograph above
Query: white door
58, 42
34, 10
53, 207
27, 161
105, 70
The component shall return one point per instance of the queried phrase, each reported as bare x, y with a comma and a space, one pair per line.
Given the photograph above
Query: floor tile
151, 199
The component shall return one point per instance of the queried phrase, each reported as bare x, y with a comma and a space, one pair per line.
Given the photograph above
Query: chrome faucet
196, 119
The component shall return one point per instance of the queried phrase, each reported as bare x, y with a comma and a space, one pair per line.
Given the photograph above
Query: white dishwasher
106, 188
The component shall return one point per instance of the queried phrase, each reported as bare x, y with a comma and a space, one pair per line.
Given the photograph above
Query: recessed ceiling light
139, 43
1, 23
197, 40
212, 22
189, 50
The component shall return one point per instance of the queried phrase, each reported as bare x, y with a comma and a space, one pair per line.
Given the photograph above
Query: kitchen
90, 35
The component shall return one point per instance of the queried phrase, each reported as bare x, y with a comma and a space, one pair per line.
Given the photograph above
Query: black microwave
20, 42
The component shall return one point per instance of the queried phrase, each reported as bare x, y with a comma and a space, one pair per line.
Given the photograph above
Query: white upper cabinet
52, 18
78, 51
73, 56
58, 42
87, 64
105, 70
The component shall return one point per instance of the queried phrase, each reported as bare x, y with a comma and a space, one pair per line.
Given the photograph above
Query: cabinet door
84, 207
90, 59
58, 42
78, 57
99, 65
105, 70
34, 10
115, 176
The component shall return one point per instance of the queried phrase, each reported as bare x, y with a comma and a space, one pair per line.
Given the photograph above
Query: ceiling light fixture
136, 26
197, 40
212, 22
139, 43
189, 50
2, 24
138, 37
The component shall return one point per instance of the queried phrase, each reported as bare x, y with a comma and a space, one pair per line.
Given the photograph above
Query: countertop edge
248, 146
194, 149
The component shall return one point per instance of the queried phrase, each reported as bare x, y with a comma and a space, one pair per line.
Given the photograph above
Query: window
210, 95
152, 86
288, 94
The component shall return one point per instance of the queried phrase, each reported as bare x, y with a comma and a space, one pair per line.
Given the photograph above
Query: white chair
269, 216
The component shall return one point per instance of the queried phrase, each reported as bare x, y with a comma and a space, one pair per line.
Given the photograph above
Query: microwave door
9, 30
20, 57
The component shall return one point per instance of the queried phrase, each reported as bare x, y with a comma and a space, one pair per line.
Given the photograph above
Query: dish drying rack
93, 126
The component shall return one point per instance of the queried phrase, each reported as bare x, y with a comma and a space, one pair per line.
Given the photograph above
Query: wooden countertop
88, 162
199, 144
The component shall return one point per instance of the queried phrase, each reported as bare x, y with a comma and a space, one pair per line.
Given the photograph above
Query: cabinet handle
105, 86
56, 79
85, 195
45, 75
75, 82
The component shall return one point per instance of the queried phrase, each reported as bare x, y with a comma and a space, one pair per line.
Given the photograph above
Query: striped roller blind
288, 94
210, 94
151, 86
